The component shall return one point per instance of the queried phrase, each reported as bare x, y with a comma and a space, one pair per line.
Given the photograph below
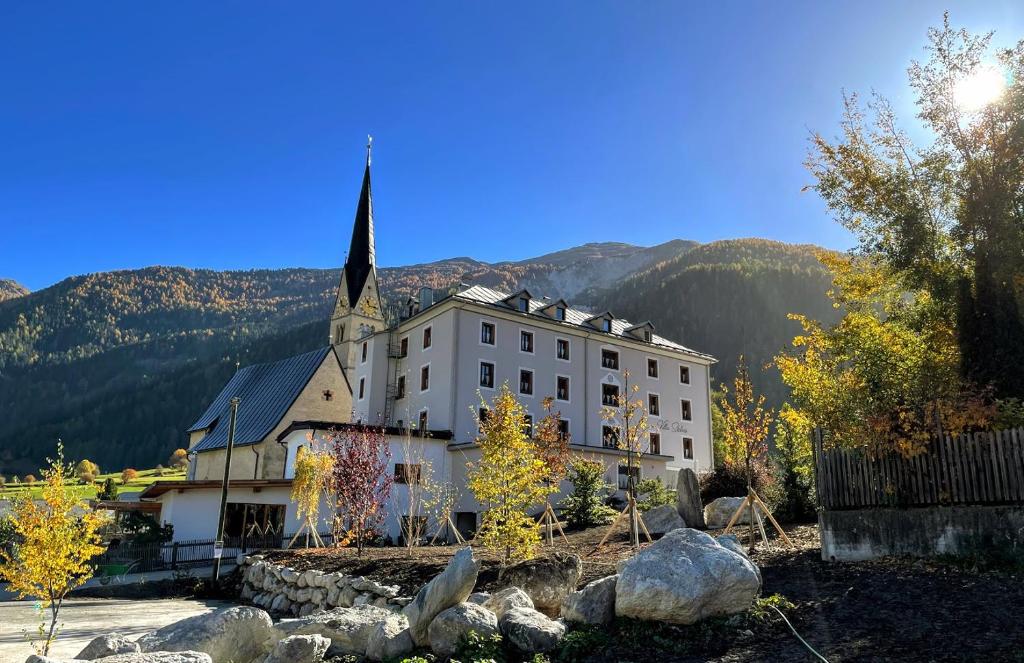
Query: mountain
10, 289
118, 364
729, 298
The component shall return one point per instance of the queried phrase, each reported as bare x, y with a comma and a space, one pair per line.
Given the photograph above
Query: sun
979, 88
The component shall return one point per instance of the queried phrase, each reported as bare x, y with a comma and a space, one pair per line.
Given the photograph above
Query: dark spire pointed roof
361, 260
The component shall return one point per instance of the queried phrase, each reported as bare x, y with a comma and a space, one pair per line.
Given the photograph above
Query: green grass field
88, 491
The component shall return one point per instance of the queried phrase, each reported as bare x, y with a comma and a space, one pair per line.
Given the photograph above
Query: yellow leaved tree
313, 470
508, 480
57, 538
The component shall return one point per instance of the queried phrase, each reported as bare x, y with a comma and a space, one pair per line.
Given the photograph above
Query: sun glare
977, 90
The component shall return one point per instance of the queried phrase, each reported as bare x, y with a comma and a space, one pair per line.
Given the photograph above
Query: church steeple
358, 309
360, 263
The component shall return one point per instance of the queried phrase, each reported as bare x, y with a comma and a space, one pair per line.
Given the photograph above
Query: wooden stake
771, 518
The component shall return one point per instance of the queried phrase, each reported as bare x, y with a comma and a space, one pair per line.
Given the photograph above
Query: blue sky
230, 135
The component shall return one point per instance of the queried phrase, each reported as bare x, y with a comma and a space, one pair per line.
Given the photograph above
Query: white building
423, 368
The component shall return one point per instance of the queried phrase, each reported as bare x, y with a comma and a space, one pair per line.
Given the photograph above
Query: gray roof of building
266, 392
574, 317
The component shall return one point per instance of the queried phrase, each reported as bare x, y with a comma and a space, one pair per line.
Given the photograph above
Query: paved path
84, 619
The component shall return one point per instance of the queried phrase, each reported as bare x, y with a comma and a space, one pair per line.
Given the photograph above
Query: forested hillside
729, 298
118, 364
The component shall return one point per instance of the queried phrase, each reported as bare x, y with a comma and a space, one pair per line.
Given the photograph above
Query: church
418, 369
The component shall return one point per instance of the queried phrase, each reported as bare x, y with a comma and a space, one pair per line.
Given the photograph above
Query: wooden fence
974, 468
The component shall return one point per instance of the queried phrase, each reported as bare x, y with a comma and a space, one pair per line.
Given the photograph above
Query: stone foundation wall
860, 534
283, 591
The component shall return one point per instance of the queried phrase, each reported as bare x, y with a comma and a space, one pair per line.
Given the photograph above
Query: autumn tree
747, 423
360, 482
58, 536
29, 479
128, 474
627, 417
508, 480
552, 447
178, 459
314, 469
886, 376
932, 323
86, 471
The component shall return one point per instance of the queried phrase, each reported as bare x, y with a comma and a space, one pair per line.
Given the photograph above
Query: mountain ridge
118, 363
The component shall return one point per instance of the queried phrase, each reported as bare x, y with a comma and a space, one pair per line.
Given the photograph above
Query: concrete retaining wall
922, 532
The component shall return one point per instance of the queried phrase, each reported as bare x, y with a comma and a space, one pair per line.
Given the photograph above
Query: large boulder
107, 645
594, 604
547, 580
718, 513
531, 631
505, 599
230, 634
683, 578
732, 542
299, 649
688, 502
348, 629
455, 623
390, 639
450, 587
663, 519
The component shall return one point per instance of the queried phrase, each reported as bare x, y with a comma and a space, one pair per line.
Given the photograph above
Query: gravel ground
84, 619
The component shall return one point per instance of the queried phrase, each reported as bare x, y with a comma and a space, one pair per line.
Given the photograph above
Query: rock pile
284, 591
682, 578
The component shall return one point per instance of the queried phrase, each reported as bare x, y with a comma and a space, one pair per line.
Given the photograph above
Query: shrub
730, 480
585, 507
128, 474
109, 490
654, 493
794, 468
178, 459
86, 470
30, 479
476, 647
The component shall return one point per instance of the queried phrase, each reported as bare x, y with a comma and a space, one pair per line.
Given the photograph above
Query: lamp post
218, 545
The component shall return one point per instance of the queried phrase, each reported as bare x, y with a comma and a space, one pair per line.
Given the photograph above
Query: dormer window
520, 301
644, 331
602, 322
557, 310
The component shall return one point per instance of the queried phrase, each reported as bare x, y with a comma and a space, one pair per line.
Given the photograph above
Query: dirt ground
886, 610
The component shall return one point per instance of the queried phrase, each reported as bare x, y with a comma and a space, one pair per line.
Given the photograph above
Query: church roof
360, 262
266, 392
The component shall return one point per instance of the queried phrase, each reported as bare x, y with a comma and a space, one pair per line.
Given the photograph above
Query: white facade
475, 347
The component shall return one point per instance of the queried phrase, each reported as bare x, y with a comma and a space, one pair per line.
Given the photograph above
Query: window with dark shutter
562, 388
487, 374
487, 333
526, 382
526, 341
